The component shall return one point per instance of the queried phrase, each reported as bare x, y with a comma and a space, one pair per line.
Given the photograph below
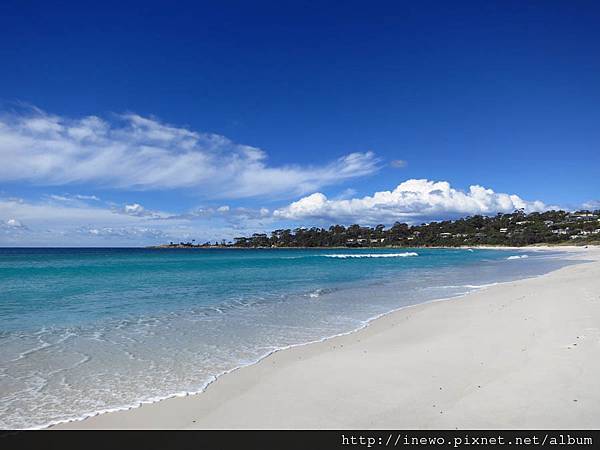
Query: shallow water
89, 330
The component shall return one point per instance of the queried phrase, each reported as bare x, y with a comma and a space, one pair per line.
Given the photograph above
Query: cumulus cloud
135, 210
134, 152
409, 201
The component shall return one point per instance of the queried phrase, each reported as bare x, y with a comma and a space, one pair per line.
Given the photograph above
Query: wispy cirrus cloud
139, 153
410, 201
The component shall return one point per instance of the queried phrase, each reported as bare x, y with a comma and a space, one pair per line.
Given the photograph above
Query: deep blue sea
90, 330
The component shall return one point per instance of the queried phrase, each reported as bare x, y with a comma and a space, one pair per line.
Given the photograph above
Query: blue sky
148, 122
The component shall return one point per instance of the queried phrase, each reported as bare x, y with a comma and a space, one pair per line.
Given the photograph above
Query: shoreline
564, 245
151, 414
366, 323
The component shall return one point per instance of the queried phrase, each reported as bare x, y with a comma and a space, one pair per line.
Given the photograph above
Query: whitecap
372, 255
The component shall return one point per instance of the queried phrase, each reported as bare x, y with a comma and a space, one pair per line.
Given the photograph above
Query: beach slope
524, 354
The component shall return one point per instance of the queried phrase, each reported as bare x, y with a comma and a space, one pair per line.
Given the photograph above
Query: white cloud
411, 200
87, 197
135, 210
73, 223
135, 152
59, 223
78, 199
128, 233
398, 163
13, 223
60, 198
345, 194
592, 204
50, 214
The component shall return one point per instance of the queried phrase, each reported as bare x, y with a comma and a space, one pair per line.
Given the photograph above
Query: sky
149, 122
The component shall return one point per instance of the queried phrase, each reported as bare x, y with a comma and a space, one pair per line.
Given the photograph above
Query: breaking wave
373, 255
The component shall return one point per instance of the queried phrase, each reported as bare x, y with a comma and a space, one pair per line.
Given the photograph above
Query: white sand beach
523, 354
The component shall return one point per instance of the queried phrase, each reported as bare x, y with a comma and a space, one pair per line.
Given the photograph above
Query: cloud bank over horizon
412, 200
66, 222
88, 220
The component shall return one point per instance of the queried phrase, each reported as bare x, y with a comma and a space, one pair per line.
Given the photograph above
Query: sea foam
373, 255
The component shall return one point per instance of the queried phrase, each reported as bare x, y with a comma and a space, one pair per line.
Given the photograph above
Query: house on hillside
582, 215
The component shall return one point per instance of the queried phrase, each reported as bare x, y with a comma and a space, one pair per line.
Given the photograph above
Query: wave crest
518, 257
373, 255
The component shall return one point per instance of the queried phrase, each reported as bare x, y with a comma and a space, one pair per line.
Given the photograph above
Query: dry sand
523, 354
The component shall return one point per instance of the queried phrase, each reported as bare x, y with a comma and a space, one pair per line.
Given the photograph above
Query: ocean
84, 331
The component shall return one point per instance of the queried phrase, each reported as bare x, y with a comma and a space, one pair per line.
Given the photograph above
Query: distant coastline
517, 229
539, 245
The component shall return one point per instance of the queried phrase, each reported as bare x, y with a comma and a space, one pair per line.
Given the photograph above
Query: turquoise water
90, 330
